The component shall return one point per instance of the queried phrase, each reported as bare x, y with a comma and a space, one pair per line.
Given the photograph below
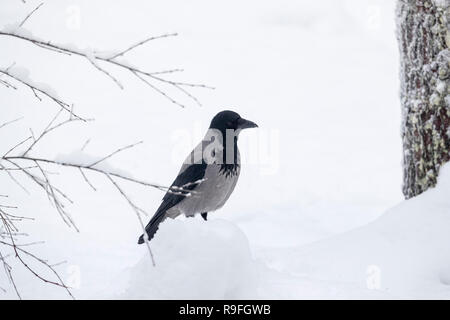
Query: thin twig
161, 92
34, 89
17, 145
7, 84
121, 53
13, 178
9, 122
49, 128
92, 56
61, 163
8, 271
87, 180
137, 211
30, 14
92, 61
19, 250
115, 152
58, 204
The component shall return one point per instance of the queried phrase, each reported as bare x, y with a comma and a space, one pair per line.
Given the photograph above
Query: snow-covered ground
403, 254
319, 78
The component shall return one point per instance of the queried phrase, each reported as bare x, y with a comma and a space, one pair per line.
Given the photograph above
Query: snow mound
195, 260
405, 253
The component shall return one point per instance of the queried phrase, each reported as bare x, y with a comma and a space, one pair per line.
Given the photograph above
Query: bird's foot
205, 216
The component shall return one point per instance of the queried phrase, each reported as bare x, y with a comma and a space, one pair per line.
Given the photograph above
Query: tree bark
423, 37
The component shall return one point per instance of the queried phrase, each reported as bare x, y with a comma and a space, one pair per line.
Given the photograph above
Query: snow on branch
22, 158
95, 58
14, 162
21, 75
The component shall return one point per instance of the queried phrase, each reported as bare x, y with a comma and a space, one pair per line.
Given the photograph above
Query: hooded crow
208, 175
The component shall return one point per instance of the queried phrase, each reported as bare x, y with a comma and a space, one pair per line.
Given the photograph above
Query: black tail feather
153, 225
187, 180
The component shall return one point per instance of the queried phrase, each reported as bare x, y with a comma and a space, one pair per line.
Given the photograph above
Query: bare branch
166, 71
115, 152
87, 167
13, 178
8, 271
141, 43
36, 90
137, 211
85, 144
16, 169
7, 84
161, 92
56, 201
188, 94
5, 206
37, 179
17, 145
87, 180
53, 49
93, 57
30, 14
49, 128
29, 244
18, 251
95, 64
17, 217
35, 167
9, 122
174, 190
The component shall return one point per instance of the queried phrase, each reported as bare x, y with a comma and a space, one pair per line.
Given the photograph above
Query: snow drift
403, 254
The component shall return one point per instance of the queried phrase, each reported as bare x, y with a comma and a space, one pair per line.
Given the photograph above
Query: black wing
186, 181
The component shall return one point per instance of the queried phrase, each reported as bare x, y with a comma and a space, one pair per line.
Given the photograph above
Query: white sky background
319, 77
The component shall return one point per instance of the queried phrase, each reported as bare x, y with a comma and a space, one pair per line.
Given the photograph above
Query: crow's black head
230, 120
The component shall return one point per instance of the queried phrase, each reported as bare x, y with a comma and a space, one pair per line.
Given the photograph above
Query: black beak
246, 124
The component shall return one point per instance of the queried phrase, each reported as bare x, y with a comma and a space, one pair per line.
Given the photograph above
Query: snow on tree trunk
423, 36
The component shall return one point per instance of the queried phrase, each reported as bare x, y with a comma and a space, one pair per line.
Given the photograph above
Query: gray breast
211, 194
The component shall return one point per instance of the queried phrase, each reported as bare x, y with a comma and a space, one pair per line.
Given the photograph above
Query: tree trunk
423, 36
